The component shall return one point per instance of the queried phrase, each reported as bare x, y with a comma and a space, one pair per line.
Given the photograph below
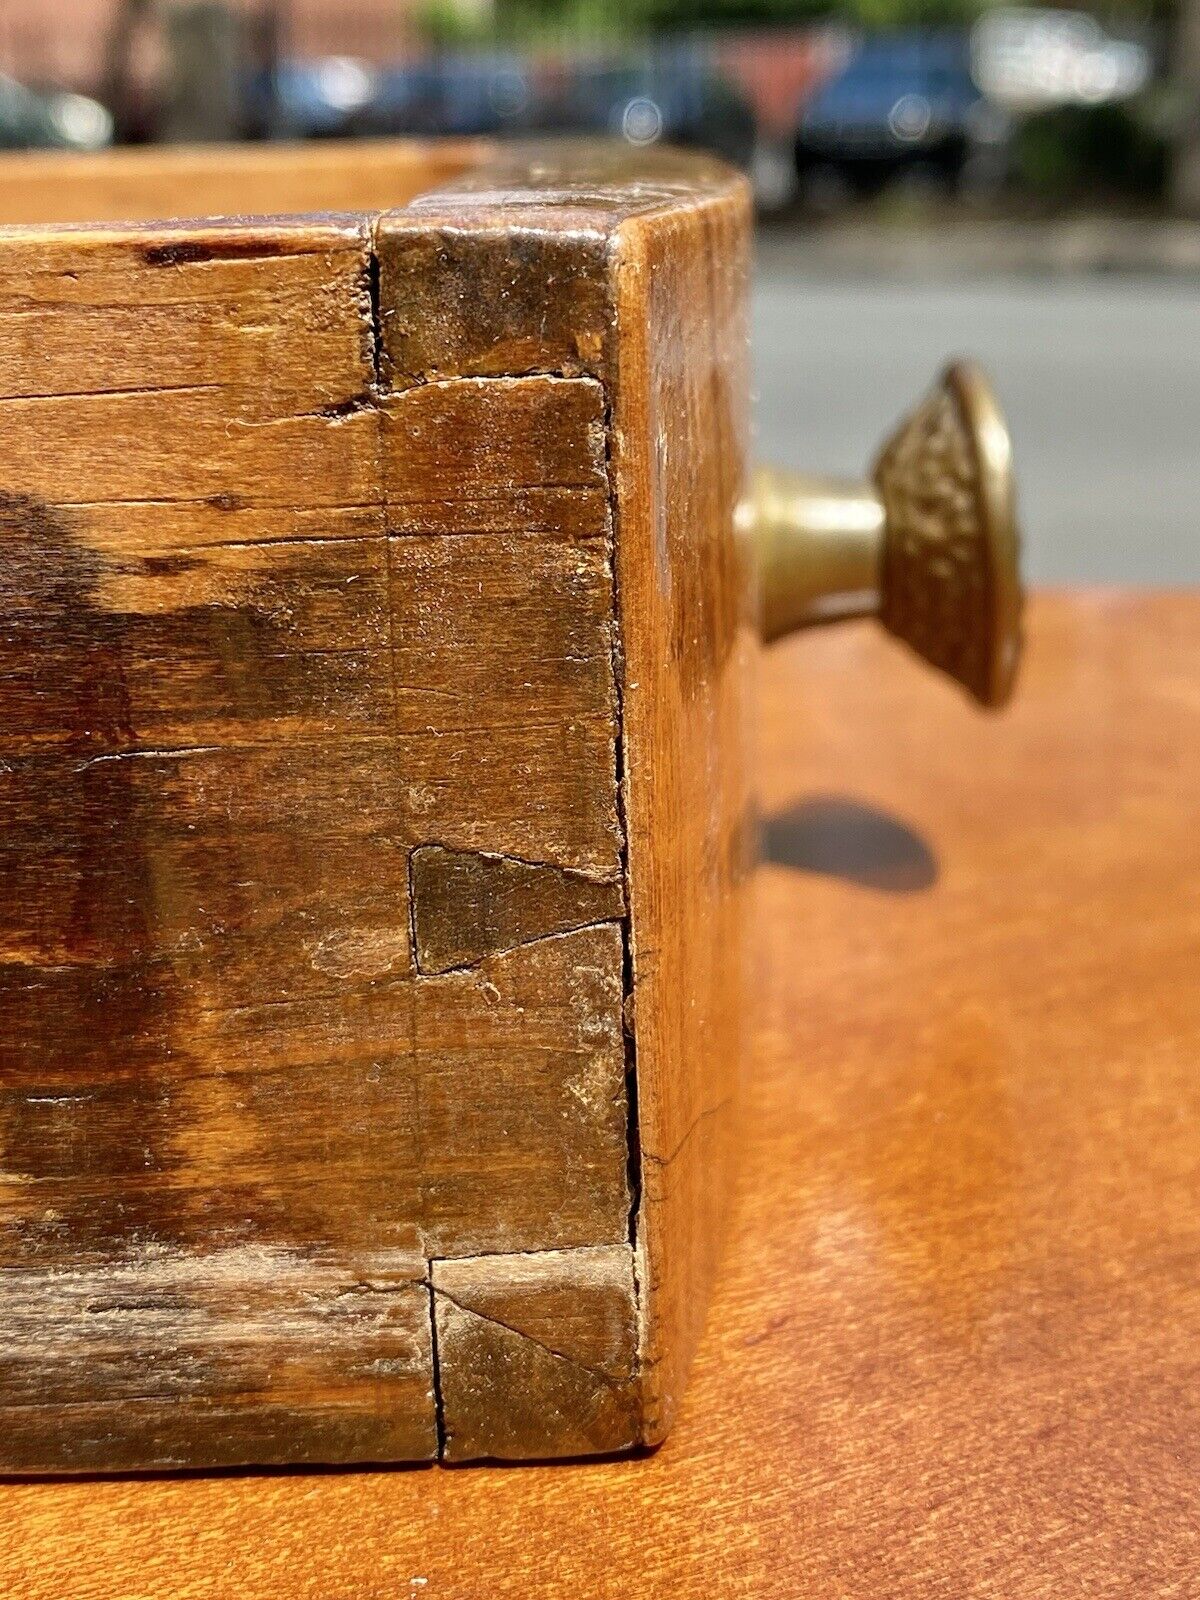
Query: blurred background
932, 177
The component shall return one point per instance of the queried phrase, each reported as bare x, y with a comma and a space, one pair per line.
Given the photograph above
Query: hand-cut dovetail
537, 1353
468, 905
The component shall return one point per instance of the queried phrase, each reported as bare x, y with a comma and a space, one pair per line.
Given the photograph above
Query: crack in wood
113, 394
704, 1116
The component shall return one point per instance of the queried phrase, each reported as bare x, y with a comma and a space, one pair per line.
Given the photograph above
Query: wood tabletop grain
955, 1345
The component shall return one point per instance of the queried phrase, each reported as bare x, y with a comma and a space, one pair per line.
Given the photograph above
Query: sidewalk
940, 246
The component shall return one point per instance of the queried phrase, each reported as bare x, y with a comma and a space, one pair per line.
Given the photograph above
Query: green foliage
1090, 152
444, 24
910, 13
682, 14
535, 21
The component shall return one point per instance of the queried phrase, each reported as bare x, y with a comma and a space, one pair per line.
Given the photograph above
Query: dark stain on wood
74, 992
194, 252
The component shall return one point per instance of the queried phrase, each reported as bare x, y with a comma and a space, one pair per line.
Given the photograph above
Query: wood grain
953, 1350
467, 905
168, 1349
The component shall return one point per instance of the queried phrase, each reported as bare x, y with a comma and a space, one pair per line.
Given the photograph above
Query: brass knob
929, 544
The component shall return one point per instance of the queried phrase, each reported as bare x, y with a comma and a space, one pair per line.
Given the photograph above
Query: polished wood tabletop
955, 1346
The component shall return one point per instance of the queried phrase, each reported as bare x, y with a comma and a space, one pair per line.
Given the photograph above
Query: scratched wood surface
954, 1347
319, 977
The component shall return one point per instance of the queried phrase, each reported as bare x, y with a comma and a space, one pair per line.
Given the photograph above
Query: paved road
1100, 378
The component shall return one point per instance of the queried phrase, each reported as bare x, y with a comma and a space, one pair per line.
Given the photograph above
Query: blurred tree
441, 23
448, 23
633, 16
454, 23
116, 87
1185, 172
670, 14
204, 48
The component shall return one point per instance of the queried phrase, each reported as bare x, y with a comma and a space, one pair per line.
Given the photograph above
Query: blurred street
1098, 376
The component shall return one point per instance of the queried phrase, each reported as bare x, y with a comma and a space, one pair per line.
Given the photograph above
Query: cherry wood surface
955, 1345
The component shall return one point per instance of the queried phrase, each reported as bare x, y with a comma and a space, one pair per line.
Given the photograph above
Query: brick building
64, 42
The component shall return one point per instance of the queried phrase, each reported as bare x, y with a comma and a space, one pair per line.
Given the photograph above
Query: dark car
338, 96
317, 99
900, 103
672, 99
463, 95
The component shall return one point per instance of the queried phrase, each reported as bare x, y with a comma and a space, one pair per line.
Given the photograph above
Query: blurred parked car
462, 95
310, 99
677, 100
33, 121
901, 104
340, 97
670, 100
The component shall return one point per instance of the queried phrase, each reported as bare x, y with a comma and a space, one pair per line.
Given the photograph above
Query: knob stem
820, 543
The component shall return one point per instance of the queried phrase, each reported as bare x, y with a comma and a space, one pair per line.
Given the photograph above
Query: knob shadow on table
928, 544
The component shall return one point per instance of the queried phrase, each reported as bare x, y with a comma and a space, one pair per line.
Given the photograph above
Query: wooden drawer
374, 653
